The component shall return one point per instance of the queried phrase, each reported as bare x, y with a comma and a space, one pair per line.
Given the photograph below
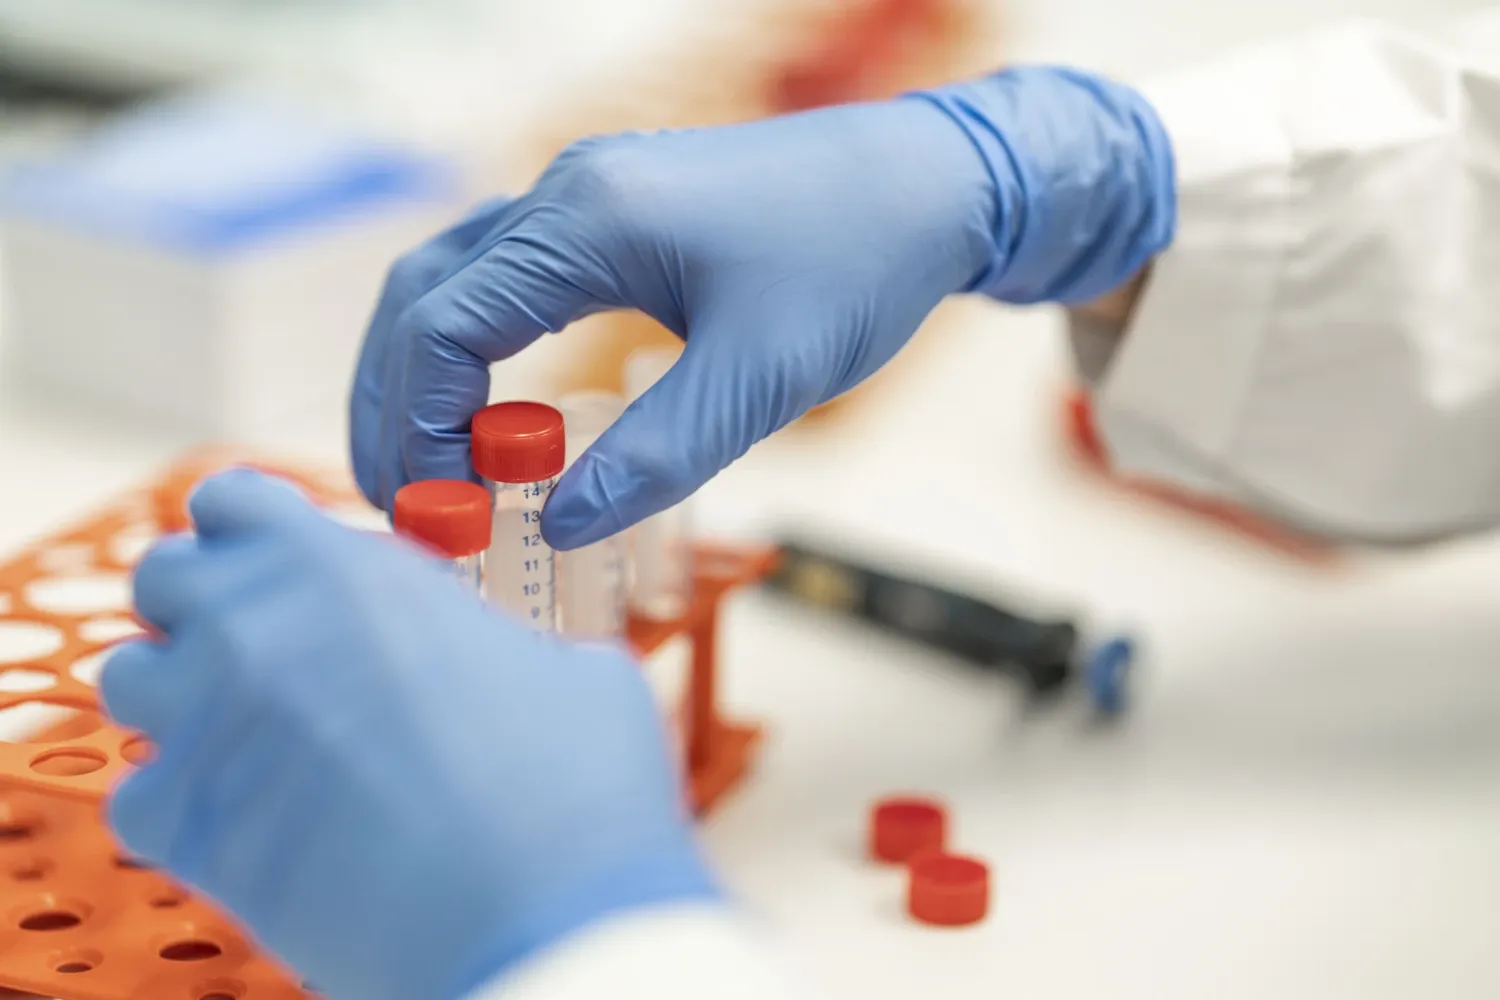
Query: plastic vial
660, 545
591, 581
451, 517
517, 449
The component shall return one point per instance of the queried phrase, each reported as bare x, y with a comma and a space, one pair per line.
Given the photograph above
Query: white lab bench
1303, 802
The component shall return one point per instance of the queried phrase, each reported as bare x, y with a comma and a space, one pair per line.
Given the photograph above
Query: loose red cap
903, 827
517, 442
948, 890
448, 515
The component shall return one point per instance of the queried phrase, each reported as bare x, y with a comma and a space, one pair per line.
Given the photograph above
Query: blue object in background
1107, 675
209, 174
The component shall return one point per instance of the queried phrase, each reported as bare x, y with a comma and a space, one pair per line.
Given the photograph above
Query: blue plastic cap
1107, 675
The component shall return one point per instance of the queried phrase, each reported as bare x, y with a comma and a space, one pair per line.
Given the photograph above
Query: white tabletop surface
1304, 801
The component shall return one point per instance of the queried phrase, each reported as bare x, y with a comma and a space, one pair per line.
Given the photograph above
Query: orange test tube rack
78, 920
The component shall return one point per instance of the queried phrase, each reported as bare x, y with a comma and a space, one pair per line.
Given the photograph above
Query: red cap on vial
517, 442
448, 515
948, 890
902, 827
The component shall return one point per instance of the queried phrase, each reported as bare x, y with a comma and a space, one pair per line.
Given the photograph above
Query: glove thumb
241, 500
730, 389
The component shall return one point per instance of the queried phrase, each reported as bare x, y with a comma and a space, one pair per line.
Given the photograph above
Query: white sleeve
689, 952
1322, 339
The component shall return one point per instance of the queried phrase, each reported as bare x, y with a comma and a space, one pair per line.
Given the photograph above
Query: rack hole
167, 901
138, 751
22, 641
219, 989
191, 950
31, 871
69, 557
19, 680
71, 963
126, 862
130, 544
17, 823
69, 763
108, 629
81, 594
39, 721
50, 920
88, 669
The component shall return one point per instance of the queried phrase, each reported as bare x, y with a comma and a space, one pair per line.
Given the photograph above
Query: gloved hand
397, 790
794, 255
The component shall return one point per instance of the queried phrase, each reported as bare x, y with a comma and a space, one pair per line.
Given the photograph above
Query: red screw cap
517, 442
948, 890
448, 515
902, 827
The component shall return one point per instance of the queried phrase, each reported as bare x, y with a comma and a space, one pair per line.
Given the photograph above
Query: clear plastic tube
470, 569
661, 580
591, 581
518, 449
520, 572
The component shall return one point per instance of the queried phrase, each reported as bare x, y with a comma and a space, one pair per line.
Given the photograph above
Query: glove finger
242, 500
444, 383
144, 810
160, 585
411, 278
723, 395
390, 468
492, 309
139, 689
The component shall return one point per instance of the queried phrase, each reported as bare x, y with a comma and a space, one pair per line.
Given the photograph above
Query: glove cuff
1084, 179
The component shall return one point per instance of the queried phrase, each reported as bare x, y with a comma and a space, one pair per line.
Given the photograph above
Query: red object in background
1078, 420
857, 50
903, 827
948, 890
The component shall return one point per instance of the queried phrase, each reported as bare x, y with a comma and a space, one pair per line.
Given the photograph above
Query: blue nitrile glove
399, 791
794, 255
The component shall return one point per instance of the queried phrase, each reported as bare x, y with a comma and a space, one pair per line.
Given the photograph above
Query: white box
209, 265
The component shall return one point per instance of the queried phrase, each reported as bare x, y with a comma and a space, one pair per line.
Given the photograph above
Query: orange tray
82, 922
109, 931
